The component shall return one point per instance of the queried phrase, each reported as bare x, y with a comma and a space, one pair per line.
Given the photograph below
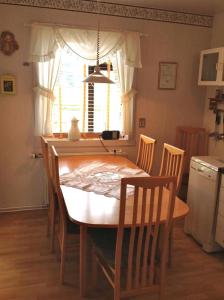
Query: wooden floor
28, 271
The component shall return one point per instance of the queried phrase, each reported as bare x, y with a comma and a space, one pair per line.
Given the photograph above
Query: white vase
74, 133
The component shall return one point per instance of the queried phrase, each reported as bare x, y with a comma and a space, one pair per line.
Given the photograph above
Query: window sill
63, 144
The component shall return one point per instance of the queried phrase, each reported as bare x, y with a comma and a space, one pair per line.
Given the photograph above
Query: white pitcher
74, 133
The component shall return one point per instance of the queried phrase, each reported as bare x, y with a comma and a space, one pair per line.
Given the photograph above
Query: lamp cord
100, 138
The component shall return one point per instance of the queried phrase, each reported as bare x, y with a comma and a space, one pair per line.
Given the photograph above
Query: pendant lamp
97, 76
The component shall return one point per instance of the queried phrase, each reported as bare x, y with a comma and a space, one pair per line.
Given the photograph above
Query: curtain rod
79, 27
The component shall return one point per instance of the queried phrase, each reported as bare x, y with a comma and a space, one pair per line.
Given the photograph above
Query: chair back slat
54, 168
132, 240
172, 163
145, 153
147, 240
154, 246
57, 189
45, 153
51, 194
141, 240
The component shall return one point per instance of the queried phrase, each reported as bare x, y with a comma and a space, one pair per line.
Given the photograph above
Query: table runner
101, 178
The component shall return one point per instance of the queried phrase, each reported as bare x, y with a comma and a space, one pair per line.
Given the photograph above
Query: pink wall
21, 178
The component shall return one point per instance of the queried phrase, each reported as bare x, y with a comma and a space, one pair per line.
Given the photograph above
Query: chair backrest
172, 163
145, 155
57, 189
193, 140
44, 147
143, 237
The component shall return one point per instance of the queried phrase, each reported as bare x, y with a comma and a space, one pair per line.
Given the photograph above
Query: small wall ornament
8, 44
7, 85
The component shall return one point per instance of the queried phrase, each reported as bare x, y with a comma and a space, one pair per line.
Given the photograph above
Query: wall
215, 147
163, 109
21, 178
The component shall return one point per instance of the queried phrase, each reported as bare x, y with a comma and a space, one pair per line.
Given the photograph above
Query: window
71, 94
96, 106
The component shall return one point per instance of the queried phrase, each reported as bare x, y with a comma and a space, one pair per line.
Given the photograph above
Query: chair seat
104, 241
72, 228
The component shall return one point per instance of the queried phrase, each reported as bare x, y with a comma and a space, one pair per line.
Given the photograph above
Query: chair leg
116, 294
48, 224
161, 293
52, 228
94, 273
62, 265
51, 223
170, 248
162, 281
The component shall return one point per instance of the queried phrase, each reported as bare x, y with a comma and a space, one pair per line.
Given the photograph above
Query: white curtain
46, 40
44, 54
43, 44
83, 43
46, 74
127, 59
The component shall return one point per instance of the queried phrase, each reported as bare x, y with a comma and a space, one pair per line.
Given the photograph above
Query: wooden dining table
89, 209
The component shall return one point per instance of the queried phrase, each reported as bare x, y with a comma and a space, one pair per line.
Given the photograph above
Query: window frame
90, 103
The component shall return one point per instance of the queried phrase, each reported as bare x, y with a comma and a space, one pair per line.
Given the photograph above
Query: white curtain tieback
125, 98
44, 92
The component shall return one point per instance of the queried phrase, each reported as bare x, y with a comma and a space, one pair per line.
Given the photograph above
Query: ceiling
206, 7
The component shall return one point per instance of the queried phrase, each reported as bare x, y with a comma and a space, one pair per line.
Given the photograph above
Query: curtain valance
45, 40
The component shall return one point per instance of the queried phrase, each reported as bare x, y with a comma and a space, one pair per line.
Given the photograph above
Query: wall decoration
167, 75
7, 84
8, 44
120, 10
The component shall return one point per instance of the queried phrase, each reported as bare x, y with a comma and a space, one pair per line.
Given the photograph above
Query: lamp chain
98, 47
98, 35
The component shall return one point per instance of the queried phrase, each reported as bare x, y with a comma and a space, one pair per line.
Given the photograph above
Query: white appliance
202, 198
219, 234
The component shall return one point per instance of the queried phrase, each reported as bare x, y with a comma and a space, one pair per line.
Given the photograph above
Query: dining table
99, 208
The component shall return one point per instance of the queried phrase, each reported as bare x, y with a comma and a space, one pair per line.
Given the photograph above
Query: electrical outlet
141, 122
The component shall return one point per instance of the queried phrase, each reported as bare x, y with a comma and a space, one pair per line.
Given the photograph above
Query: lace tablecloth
100, 178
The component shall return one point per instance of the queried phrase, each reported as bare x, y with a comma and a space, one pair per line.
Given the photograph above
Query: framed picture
8, 84
167, 75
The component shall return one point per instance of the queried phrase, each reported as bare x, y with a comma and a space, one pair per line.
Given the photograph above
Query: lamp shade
97, 77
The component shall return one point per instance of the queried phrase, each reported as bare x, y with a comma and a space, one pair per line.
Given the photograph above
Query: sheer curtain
46, 74
121, 48
127, 59
46, 61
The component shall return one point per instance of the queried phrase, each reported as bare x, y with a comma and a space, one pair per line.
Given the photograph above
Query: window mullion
108, 98
60, 109
84, 101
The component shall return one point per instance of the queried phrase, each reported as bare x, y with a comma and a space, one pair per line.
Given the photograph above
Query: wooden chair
51, 195
129, 257
194, 141
172, 163
65, 227
145, 153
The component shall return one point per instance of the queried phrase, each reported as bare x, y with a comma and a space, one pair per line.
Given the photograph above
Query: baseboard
24, 208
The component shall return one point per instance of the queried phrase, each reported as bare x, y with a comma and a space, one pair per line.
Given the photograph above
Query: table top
97, 210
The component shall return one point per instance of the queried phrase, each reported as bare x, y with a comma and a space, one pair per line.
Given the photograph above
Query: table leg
83, 258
